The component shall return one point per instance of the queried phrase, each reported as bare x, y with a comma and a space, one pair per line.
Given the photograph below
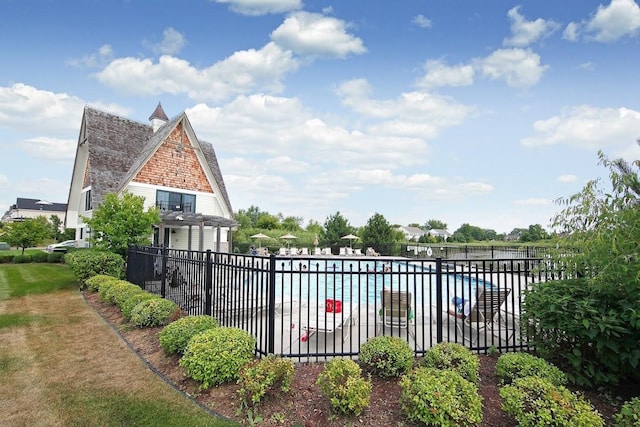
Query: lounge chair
333, 317
304, 251
282, 252
396, 311
343, 251
358, 252
317, 251
293, 250
327, 251
479, 314
349, 251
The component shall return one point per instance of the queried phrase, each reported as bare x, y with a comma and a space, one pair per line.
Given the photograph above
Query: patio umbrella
315, 241
260, 236
350, 237
288, 238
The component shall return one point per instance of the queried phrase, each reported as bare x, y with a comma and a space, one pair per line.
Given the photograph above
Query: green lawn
62, 365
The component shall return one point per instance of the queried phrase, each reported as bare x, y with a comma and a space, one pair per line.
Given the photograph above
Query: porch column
218, 239
201, 242
189, 238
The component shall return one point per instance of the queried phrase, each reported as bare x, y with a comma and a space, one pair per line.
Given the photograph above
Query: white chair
282, 252
349, 251
293, 250
327, 251
343, 251
358, 252
304, 251
317, 251
332, 318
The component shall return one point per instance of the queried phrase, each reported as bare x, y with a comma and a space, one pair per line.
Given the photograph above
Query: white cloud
421, 21
569, 178
608, 23
526, 32
261, 7
51, 148
519, 68
244, 71
620, 18
4, 181
413, 114
439, 74
587, 127
27, 109
172, 42
98, 59
313, 34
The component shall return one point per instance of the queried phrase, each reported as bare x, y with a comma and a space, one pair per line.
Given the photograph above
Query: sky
467, 112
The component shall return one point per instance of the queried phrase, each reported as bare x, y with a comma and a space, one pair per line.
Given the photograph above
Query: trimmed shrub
133, 300
154, 312
176, 335
39, 257
216, 355
121, 294
94, 283
8, 258
264, 376
453, 356
86, 263
54, 257
537, 402
108, 290
341, 382
629, 414
510, 366
22, 259
437, 397
386, 356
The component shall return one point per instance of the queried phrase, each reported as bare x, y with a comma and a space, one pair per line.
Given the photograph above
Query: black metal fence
312, 308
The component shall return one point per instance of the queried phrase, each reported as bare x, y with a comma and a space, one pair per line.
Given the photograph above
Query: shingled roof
118, 147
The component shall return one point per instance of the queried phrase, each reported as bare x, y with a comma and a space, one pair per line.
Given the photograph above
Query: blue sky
466, 112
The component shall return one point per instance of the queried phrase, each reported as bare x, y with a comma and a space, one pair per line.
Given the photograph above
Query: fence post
271, 293
163, 278
208, 283
439, 307
130, 261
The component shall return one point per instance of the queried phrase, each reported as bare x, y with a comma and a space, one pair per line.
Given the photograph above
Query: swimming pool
362, 281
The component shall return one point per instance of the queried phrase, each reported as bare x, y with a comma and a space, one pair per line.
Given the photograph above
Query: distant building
444, 234
30, 208
411, 233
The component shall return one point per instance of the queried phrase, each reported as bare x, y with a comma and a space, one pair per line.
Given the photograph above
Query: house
30, 208
162, 161
439, 234
411, 233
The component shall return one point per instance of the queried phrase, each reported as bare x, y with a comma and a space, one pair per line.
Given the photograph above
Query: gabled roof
118, 147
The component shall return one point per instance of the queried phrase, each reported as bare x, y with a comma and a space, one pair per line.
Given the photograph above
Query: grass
61, 365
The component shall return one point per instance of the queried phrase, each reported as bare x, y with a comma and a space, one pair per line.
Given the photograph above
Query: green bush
8, 258
216, 356
39, 257
22, 259
54, 257
341, 382
121, 294
87, 263
261, 377
453, 356
386, 356
176, 335
590, 330
133, 300
154, 312
510, 366
108, 290
629, 414
437, 397
537, 402
94, 283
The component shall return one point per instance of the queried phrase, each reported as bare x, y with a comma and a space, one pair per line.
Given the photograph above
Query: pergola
172, 219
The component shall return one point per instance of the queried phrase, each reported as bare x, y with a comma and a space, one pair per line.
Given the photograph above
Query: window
171, 201
87, 201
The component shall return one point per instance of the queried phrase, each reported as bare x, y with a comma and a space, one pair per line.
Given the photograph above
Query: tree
378, 232
533, 234
588, 320
249, 217
434, 224
27, 233
267, 222
336, 226
55, 227
292, 223
121, 221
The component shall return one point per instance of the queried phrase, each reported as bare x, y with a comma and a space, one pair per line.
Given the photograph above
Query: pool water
362, 281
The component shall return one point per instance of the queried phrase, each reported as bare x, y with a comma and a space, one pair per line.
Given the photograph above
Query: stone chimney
158, 118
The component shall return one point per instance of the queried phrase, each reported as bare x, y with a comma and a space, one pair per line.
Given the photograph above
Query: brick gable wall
175, 168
